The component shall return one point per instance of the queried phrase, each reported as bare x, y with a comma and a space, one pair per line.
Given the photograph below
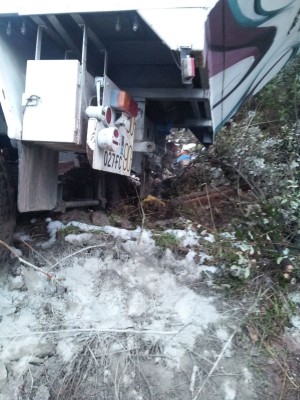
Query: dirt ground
100, 312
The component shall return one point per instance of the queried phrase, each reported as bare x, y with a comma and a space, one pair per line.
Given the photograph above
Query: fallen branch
89, 330
76, 252
16, 255
215, 364
36, 252
193, 378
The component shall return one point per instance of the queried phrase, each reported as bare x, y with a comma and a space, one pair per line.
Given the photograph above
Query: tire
7, 211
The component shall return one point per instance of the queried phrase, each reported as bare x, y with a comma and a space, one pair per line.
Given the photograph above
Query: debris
153, 201
253, 333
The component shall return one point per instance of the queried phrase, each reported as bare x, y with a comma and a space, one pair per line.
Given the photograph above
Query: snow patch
230, 392
78, 238
187, 237
127, 288
295, 321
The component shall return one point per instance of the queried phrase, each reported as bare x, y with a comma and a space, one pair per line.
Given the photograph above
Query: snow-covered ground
120, 319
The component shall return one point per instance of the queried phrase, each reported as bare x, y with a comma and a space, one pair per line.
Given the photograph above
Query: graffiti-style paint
247, 45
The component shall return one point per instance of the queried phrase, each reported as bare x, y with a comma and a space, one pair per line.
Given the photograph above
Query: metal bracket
187, 65
39, 37
99, 82
144, 147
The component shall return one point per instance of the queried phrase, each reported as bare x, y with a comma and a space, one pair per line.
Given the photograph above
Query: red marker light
104, 114
108, 115
116, 133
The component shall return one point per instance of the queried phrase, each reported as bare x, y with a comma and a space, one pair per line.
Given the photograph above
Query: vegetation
261, 153
166, 240
75, 230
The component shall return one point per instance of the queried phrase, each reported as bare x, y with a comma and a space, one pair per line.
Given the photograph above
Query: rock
174, 223
122, 222
99, 218
76, 215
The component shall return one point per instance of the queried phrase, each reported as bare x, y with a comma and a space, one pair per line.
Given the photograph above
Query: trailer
99, 85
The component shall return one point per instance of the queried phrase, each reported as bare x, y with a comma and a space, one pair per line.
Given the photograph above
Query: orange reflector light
121, 101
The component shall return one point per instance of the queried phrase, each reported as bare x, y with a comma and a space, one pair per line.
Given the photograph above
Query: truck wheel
7, 211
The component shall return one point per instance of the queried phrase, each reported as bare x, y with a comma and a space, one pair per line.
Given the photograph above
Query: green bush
262, 153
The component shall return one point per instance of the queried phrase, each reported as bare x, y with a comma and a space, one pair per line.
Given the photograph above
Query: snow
222, 334
53, 227
295, 297
79, 238
187, 237
247, 375
66, 349
125, 288
230, 393
3, 373
210, 238
295, 321
97, 292
23, 237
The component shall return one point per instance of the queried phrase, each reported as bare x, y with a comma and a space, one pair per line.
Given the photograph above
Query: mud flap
38, 175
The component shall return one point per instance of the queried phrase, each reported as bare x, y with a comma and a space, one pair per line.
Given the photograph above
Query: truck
96, 87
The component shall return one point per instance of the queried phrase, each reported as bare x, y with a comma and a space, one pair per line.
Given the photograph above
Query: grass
166, 241
75, 230
272, 315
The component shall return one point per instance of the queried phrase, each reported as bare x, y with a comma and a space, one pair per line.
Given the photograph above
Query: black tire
7, 211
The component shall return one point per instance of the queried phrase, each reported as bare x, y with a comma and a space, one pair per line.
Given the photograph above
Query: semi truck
96, 87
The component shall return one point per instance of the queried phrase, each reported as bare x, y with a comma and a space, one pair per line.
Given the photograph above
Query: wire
33, 97
175, 60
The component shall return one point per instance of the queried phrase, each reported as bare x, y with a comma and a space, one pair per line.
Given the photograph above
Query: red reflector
133, 109
121, 101
116, 133
108, 115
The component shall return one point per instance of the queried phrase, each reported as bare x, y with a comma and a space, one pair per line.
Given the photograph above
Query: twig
89, 330
283, 386
115, 380
198, 355
280, 366
143, 216
50, 276
256, 192
210, 208
225, 347
31, 379
193, 378
216, 363
93, 355
142, 375
76, 252
36, 252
